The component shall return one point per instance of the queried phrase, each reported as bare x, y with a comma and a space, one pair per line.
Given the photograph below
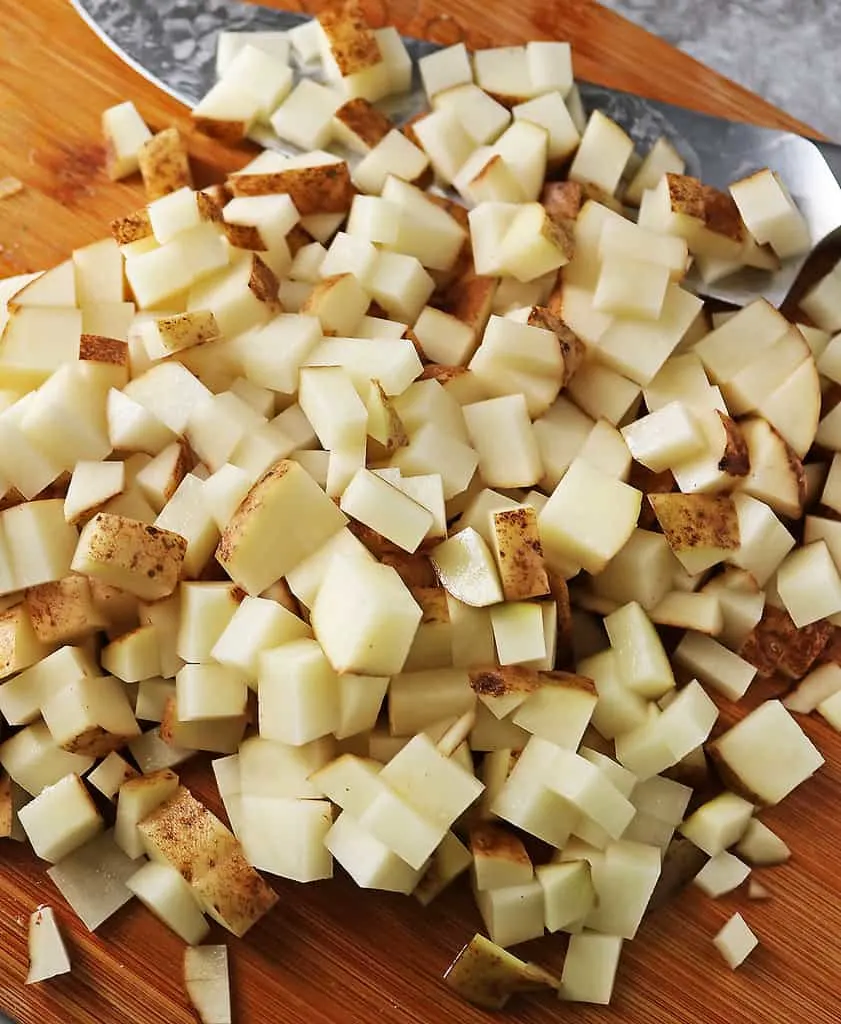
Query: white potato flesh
60, 819
735, 941
590, 968
161, 889
47, 952
770, 214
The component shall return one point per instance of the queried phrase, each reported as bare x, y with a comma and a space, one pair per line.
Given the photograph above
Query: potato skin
520, 554
692, 521
142, 559
164, 164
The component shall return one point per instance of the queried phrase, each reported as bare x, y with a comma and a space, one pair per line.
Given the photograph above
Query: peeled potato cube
60, 819
284, 517
518, 632
735, 941
666, 437
809, 584
631, 288
125, 132
588, 518
770, 214
365, 617
767, 754
162, 890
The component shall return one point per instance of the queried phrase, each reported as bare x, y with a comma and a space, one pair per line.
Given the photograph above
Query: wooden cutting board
332, 953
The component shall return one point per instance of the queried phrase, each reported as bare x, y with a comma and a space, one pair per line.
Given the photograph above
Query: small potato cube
39, 541
369, 862
499, 858
209, 691
588, 518
631, 288
134, 655
164, 164
533, 244
92, 485
568, 893
125, 133
519, 554
144, 560
550, 112
513, 914
298, 693
603, 154
110, 774
430, 782
559, 710
665, 438
284, 518
432, 449
19, 645
161, 889
63, 611
339, 303
60, 819
305, 117
767, 754
445, 69
466, 569
770, 214
386, 509
500, 431
365, 617
257, 624
735, 941
393, 155
400, 285
444, 338
590, 968
91, 716
518, 632
331, 404
286, 837
809, 584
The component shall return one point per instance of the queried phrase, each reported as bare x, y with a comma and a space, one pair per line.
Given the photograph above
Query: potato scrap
488, 975
776, 645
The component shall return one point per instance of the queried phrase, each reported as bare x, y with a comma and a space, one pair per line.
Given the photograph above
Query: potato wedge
488, 975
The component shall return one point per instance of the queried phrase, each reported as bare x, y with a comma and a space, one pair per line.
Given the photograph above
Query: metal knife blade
173, 44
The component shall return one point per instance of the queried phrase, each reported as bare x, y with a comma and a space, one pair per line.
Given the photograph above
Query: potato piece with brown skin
562, 200
692, 521
681, 863
233, 894
519, 554
244, 236
560, 595
185, 834
686, 195
470, 299
776, 645
363, 122
573, 348
433, 605
7, 808
502, 689
391, 432
721, 215
415, 570
488, 975
186, 330
132, 228
144, 560
299, 237
94, 348
63, 611
326, 188
498, 853
352, 42
164, 164
649, 482
735, 460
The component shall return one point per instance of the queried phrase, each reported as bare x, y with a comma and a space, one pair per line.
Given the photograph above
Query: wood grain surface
329, 952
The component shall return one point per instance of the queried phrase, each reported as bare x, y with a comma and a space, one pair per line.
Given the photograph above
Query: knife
173, 44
